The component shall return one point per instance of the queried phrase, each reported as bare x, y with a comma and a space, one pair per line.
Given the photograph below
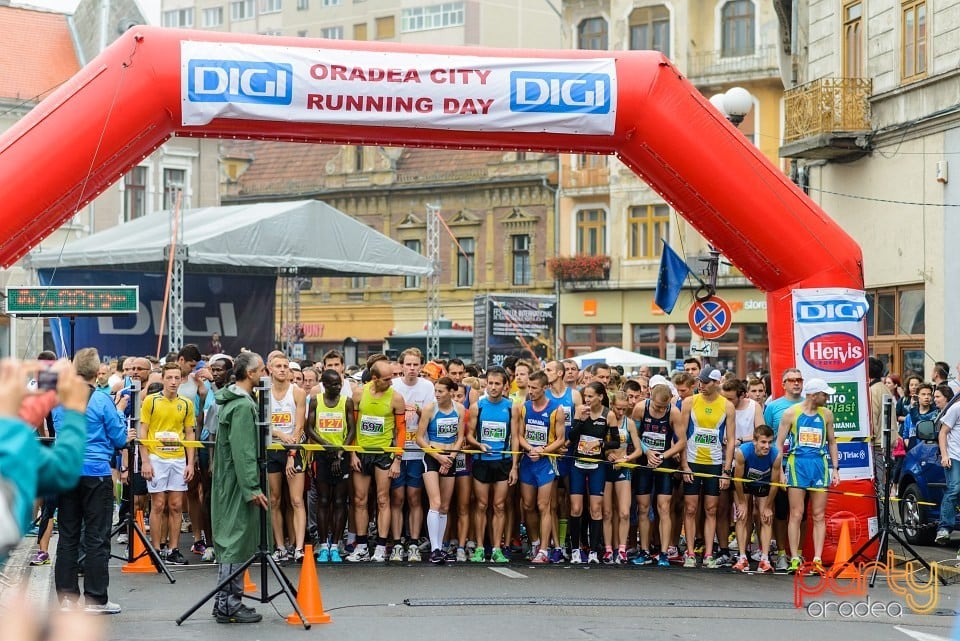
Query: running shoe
794, 565
710, 562
470, 547
436, 557
396, 556
724, 560
280, 555
479, 556
663, 561
423, 543
541, 558
575, 557
198, 548
742, 565
608, 557
556, 556
163, 551
764, 566
359, 554
816, 568
943, 536
335, 555
323, 556
673, 555
461, 555
497, 556
243, 614
643, 558
593, 558
782, 563
122, 538
298, 556
756, 555
732, 542
699, 546
379, 554
621, 558
413, 553
70, 605
102, 608
209, 555
689, 560
175, 558
40, 558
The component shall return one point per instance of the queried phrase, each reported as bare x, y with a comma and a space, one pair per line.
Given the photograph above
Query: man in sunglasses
792, 381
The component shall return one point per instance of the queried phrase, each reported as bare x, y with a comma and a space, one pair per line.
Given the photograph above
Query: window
591, 232
386, 27
853, 39
465, 261
646, 225
914, 52
174, 182
437, 16
737, 24
592, 34
302, 33
360, 31
744, 349
271, 6
412, 282
521, 260
178, 18
332, 3
212, 17
241, 10
332, 33
303, 5
650, 29
135, 194
358, 158
583, 339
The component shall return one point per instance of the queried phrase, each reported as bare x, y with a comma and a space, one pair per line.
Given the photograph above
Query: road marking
510, 574
920, 636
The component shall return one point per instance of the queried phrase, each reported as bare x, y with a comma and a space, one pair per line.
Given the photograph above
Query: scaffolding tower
433, 282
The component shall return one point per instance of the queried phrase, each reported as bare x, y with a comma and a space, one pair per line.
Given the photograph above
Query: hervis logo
833, 352
239, 81
559, 92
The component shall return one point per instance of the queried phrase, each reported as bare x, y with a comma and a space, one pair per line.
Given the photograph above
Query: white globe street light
734, 104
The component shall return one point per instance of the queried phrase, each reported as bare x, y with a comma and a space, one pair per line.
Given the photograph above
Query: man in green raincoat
236, 495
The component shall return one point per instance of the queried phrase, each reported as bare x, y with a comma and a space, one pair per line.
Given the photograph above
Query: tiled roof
37, 54
433, 161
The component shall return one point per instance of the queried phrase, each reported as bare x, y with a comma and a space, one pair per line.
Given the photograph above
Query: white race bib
447, 426
536, 435
655, 441
330, 422
810, 437
372, 425
493, 431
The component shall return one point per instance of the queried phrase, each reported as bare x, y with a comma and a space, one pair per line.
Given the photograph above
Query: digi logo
266, 83
557, 92
830, 310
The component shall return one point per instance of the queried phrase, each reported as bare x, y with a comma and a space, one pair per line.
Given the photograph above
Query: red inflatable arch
152, 83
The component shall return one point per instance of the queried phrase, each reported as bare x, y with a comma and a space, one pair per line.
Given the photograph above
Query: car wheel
913, 516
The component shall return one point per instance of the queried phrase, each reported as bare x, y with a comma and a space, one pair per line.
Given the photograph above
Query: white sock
443, 525
433, 528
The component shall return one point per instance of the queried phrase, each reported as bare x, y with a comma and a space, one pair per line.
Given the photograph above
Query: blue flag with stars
673, 273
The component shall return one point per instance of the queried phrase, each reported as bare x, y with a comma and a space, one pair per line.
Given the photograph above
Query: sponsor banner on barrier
390, 89
830, 343
856, 460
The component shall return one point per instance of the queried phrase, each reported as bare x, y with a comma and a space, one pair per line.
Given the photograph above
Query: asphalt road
468, 602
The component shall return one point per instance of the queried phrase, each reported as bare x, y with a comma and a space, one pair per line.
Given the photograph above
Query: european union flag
673, 273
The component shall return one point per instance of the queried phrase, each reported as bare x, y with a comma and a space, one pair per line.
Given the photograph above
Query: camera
47, 380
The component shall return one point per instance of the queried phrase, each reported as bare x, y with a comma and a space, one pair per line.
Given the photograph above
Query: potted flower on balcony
580, 268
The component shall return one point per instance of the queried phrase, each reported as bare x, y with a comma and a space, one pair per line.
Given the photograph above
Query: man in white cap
810, 427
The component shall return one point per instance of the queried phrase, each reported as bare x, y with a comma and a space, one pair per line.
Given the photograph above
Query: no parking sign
710, 318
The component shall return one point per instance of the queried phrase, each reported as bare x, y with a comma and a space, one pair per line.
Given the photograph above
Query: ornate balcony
714, 68
827, 119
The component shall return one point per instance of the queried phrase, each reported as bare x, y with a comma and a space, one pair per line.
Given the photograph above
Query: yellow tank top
377, 422
705, 431
332, 421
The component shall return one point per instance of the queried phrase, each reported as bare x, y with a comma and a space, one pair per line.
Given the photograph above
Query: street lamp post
734, 104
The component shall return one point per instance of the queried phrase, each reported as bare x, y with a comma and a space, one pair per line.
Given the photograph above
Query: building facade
605, 209
872, 126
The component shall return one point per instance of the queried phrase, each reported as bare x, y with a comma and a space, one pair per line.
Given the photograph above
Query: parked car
921, 487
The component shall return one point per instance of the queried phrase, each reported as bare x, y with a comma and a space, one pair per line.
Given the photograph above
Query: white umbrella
617, 356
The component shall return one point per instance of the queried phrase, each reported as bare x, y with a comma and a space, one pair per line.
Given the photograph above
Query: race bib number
460, 463
330, 422
655, 441
372, 425
447, 426
493, 431
281, 418
589, 446
755, 475
706, 438
168, 436
536, 435
410, 437
810, 437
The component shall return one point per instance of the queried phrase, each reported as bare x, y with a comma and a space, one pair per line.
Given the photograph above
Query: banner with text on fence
390, 89
830, 343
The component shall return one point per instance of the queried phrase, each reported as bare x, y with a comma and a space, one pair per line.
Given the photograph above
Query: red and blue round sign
710, 318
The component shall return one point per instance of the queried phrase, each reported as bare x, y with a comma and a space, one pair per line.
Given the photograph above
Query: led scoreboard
73, 301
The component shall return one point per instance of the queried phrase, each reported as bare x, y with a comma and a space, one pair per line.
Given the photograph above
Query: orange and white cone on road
308, 593
142, 563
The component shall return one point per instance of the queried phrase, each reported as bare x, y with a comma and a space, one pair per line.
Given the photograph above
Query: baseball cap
708, 374
817, 385
200, 365
294, 365
433, 370
221, 357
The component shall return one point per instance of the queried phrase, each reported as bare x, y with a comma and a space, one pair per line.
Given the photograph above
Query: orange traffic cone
248, 585
308, 593
843, 567
142, 563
